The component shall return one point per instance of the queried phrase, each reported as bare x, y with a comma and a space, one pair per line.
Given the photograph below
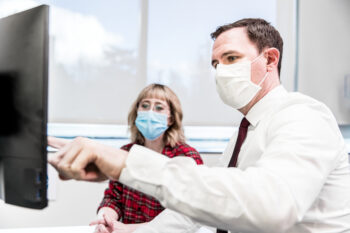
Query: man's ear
273, 56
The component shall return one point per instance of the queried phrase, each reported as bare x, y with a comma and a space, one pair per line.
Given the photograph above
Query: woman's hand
104, 211
108, 224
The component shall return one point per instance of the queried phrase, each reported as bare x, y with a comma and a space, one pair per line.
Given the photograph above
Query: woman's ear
273, 56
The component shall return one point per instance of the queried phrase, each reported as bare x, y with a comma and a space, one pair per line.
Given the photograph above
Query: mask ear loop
263, 78
266, 71
254, 60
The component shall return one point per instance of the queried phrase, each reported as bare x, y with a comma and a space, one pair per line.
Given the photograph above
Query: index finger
56, 142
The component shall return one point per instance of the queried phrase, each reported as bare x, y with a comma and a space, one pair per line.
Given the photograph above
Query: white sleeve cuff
143, 170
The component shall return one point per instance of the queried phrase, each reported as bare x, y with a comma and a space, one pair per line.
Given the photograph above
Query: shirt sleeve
169, 221
270, 196
113, 198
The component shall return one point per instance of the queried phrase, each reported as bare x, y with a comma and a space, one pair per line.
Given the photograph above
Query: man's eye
231, 58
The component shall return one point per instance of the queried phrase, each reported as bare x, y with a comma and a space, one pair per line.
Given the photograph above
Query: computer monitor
23, 104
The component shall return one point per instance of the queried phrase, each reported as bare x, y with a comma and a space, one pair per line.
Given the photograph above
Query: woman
155, 121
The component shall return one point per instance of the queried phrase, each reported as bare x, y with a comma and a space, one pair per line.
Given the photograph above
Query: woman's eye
144, 105
159, 108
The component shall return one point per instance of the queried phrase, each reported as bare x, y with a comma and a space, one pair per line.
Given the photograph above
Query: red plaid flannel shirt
133, 206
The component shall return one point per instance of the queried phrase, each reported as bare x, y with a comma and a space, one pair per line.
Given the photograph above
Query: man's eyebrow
229, 52
223, 55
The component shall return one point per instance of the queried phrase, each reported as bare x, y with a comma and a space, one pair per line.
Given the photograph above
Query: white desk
72, 229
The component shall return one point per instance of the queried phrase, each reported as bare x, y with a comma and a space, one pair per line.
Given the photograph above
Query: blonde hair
174, 134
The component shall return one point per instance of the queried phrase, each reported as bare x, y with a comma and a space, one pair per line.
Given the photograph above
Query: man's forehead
231, 36
235, 39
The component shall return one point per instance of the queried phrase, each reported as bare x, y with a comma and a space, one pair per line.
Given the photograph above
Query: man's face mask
151, 124
234, 85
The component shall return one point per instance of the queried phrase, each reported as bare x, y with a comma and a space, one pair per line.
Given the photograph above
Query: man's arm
272, 195
269, 196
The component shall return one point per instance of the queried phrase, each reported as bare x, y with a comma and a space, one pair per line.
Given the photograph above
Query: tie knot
244, 123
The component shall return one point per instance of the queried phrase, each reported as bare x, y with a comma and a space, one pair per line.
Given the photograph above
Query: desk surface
71, 229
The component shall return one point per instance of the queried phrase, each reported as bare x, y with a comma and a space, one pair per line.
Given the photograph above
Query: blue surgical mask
151, 124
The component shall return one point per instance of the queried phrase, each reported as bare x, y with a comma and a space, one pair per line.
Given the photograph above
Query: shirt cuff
110, 204
143, 170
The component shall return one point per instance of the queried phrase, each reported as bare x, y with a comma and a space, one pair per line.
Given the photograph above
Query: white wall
286, 16
324, 54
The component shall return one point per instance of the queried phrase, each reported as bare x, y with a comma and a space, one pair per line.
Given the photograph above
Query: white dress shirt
293, 173
169, 221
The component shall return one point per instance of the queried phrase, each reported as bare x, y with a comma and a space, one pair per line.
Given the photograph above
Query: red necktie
242, 134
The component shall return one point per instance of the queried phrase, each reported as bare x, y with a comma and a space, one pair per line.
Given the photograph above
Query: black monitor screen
23, 103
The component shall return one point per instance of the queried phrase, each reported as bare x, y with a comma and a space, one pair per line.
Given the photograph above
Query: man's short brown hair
259, 32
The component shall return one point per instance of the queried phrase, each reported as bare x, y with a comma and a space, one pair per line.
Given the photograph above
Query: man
292, 171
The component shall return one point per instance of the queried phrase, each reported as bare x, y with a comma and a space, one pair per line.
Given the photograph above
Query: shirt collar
264, 104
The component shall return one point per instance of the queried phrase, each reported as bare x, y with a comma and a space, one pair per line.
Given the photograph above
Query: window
179, 52
96, 51
94, 58
102, 53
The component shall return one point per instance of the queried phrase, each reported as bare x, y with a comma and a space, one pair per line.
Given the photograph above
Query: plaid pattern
133, 206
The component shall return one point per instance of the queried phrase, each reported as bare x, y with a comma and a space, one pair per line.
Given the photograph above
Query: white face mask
234, 85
